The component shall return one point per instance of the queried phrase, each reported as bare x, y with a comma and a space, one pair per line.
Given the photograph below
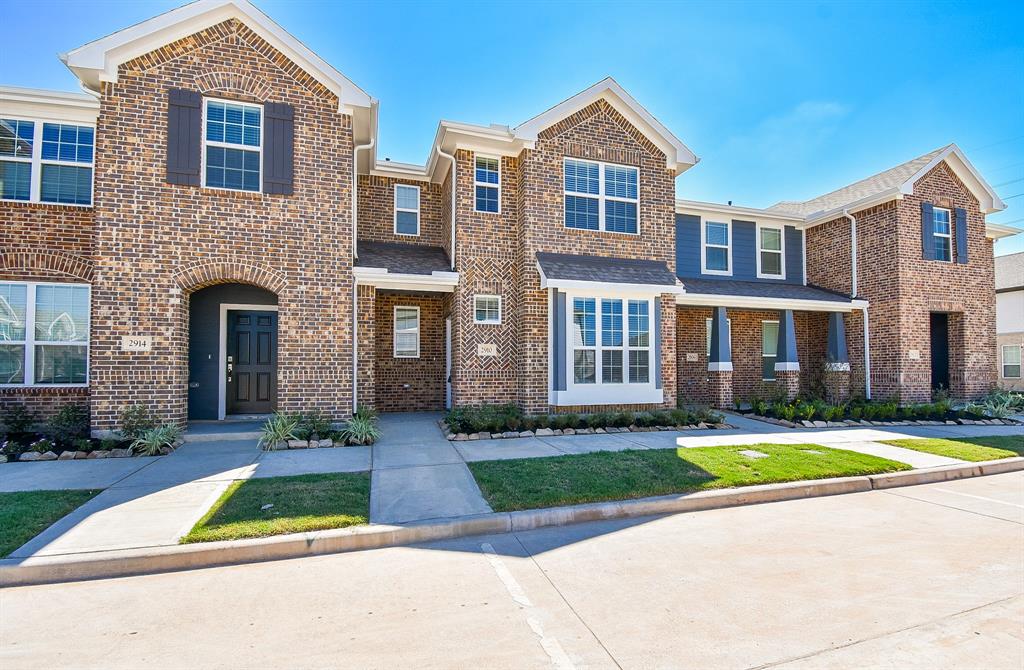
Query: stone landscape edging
126, 562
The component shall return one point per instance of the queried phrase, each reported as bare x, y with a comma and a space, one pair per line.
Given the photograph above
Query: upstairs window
942, 233
716, 248
487, 184
771, 263
46, 162
601, 196
44, 334
233, 151
407, 209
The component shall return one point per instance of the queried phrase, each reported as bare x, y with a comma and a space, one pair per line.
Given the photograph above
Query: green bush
623, 419
151, 441
600, 420
360, 431
136, 420
314, 424
364, 412
483, 418
760, 407
70, 423
661, 417
680, 417
278, 428
82, 444
646, 420
805, 411
18, 419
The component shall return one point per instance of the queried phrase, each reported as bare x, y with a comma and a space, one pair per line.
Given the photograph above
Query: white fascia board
98, 61
678, 156
753, 302
441, 282
957, 161
453, 135
33, 103
745, 213
996, 231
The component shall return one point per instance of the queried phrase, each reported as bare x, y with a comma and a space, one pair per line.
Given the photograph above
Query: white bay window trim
704, 247
30, 342
600, 196
761, 250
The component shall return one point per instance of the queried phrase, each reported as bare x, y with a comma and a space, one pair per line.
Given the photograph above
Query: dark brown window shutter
278, 147
960, 224
927, 232
184, 136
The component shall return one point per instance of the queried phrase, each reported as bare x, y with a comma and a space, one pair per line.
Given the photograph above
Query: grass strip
532, 483
966, 448
25, 514
281, 505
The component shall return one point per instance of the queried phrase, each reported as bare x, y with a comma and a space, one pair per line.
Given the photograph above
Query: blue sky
780, 100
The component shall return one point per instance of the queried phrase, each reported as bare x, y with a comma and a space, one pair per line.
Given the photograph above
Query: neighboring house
210, 232
1010, 319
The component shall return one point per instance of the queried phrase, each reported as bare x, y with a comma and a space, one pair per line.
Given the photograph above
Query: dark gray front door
251, 362
940, 350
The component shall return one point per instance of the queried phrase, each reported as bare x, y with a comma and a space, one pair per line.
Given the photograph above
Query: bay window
607, 350
601, 196
44, 334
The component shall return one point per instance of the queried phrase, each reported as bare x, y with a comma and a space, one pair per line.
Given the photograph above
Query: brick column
787, 365
837, 361
720, 361
366, 333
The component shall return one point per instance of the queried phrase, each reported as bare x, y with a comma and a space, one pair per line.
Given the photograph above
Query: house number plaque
488, 349
136, 342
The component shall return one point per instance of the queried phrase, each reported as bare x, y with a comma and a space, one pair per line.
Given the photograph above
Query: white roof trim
443, 282
98, 61
38, 103
997, 231
753, 302
987, 197
678, 156
734, 211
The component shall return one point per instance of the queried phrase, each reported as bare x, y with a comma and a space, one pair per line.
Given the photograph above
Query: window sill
38, 203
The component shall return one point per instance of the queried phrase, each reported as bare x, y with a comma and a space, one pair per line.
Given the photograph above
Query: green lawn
567, 480
302, 503
967, 448
25, 514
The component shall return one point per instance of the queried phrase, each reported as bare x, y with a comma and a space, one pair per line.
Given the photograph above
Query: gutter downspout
355, 255
452, 159
853, 284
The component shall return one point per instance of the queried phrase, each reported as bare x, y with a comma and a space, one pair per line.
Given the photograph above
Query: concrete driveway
927, 577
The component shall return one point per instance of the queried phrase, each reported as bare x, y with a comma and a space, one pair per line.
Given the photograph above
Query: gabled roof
1010, 272
678, 156
98, 61
894, 183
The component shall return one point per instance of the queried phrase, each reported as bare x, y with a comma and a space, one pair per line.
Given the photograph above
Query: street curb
127, 562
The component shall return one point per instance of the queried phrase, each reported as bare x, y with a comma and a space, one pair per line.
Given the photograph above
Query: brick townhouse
207, 230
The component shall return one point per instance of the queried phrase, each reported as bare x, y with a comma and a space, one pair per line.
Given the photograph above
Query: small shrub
136, 420
483, 418
857, 412
760, 407
661, 417
18, 419
364, 412
82, 444
315, 423
41, 446
600, 420
542, 421
708, 415
805, 411
70, 423
150, 442
623, 419
646, 420
360, 431
278, 428
108, 443
680, 417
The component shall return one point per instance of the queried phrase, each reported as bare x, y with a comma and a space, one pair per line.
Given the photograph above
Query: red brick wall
409, 384
157, 242
377, 211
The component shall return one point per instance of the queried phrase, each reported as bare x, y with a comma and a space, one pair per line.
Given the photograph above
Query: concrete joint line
120, 563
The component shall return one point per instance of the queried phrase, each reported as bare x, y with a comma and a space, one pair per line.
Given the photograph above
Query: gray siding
744, 251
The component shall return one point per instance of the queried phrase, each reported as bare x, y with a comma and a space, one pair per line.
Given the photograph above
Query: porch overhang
605, 275
758, 302
381, 278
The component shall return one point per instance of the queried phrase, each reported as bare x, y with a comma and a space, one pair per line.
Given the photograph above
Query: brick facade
409, 384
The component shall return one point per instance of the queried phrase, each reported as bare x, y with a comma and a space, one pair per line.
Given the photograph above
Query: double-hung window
771, 263
487, 309
407, 332
407, 210
601, 196
639, 342
769, 349
716, 248
1011, 361
44, 334
942, 234
233, 151
47, 162
487, 184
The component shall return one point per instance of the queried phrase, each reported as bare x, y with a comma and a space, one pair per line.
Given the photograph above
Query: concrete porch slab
311, 461
82, 474
399, 495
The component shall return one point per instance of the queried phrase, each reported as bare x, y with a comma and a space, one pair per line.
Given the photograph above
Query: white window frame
763, 356
419, 218
230, 145
36, 162
948, 236
761, 250
1002, 360
394, 328
30, 340
707, 328
600, 196
486, 184
487, 322
704, 247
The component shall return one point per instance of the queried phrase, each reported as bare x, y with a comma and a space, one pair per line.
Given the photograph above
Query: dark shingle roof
761, 290
605, 270
399, 257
